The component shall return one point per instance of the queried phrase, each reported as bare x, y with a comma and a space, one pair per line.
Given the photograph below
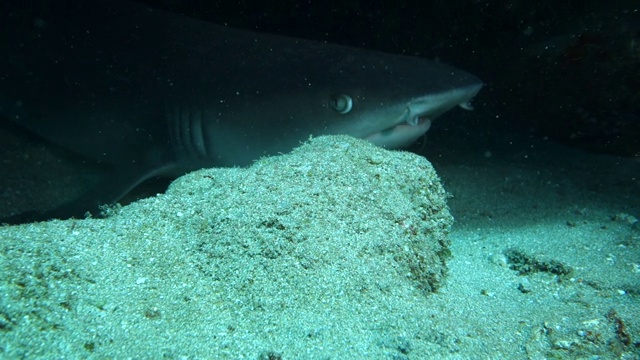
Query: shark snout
419, 113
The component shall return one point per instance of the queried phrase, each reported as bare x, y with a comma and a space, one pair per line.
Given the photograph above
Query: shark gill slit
188, 124
176, 135
197, 140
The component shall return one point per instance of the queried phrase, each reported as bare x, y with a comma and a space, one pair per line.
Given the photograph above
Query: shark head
315, 89
397, 123
392, 100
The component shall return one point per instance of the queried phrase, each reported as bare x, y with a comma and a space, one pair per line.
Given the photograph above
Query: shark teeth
417, 120
413, 121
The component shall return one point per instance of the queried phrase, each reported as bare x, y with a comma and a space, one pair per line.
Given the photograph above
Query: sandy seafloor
545, 264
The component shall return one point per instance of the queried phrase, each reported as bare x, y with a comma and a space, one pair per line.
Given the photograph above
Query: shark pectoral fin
118, 181
113, 189
86, 205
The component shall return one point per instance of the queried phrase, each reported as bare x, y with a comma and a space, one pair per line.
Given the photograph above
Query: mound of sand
326, 252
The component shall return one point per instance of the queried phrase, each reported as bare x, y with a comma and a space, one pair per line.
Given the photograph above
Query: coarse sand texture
330, 251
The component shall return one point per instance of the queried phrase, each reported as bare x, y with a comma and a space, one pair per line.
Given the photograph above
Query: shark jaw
418, 114
400, 135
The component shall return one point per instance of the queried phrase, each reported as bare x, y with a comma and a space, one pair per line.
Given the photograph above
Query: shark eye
341, 103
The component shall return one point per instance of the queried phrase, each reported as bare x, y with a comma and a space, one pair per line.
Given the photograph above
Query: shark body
154, 93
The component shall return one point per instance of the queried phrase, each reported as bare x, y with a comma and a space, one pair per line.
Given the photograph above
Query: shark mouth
402, 134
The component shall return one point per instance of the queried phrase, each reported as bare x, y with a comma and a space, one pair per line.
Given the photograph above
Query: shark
155, 93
